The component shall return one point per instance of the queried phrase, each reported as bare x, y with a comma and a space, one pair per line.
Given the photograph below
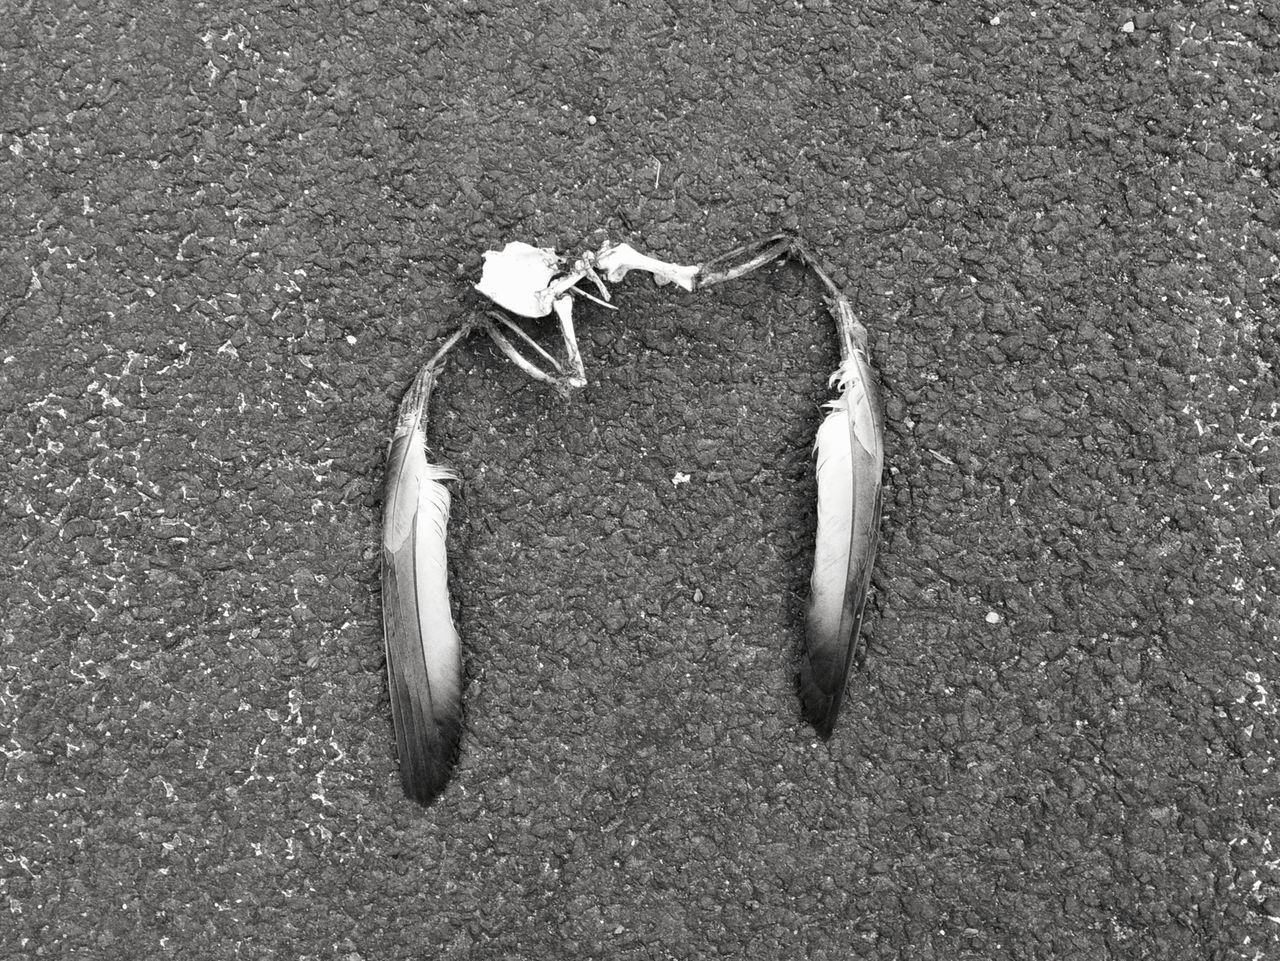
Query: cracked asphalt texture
231, 233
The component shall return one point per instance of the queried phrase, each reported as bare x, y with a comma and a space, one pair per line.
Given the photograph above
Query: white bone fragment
577, 376
517, 277
614, 260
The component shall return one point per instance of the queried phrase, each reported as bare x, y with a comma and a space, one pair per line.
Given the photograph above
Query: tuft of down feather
424, 653
850, 457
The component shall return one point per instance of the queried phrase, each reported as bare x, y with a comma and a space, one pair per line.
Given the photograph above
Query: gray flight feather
850, 459
424, 654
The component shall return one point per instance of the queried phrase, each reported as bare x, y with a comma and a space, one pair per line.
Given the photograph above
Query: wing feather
850, 458
424, 652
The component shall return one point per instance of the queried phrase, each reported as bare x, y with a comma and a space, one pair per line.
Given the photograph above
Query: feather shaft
424, 653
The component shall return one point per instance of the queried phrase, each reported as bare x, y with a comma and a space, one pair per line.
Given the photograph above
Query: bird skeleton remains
424, 662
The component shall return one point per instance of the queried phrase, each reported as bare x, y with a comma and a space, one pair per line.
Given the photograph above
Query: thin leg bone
519, 331
853, 336
588, 261
517, 358
564, 313
457, 335
750, 248
770, 249
814, 263
592, 297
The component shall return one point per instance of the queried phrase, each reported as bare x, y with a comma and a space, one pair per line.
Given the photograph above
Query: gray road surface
229, 235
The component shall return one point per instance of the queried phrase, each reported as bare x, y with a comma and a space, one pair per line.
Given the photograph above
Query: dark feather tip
427, 762
820, 707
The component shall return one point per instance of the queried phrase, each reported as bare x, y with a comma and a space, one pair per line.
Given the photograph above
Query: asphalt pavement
230, 233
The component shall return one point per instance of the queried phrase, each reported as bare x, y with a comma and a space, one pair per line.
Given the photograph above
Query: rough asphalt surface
229, 237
